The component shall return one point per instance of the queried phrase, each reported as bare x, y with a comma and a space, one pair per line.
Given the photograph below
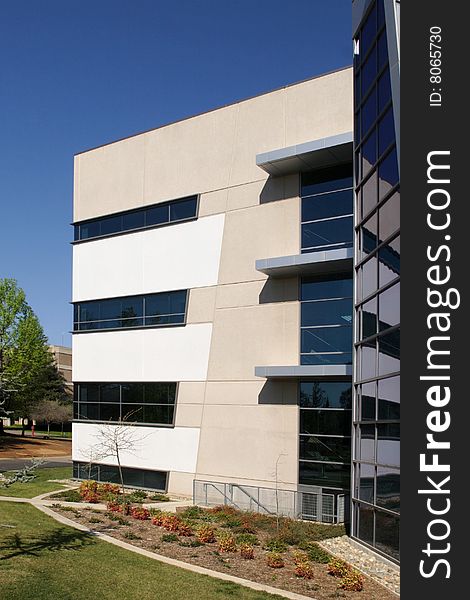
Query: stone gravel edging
260, 587
371, 564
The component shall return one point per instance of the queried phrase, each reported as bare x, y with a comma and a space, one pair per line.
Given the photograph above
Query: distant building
63, 360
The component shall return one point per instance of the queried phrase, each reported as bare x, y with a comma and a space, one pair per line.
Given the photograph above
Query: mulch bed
144, 534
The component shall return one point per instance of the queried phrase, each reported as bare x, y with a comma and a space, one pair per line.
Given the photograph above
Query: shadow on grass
59, 539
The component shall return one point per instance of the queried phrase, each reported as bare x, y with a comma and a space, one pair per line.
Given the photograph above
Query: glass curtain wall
376, 409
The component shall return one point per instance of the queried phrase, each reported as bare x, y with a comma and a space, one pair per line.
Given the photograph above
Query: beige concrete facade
246, 423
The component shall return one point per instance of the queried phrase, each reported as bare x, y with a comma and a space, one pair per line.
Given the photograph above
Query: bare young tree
114, 438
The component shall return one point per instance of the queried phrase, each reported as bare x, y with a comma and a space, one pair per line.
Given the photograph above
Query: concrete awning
304, 371
310, 263
317, 154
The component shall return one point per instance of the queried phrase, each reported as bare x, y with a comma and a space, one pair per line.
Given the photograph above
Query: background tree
25, 360
13, 308
52, 411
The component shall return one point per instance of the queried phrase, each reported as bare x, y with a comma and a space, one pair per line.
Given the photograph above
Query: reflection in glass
326, 312
318, 394
367, 443
325, 422
387, 531
334, 232
388, 488
388, 444
325, 448
366, 483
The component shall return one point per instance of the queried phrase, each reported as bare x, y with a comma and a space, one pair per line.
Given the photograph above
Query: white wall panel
164, 354
167, 258
160, 448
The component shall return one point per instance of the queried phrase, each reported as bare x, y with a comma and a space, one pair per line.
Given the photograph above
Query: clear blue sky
74, 75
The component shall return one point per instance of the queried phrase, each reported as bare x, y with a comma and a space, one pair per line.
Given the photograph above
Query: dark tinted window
333, 204
177, 210
324, 474
325, 448
321, 234
165, 308
151, 403
320, 288
327, 180
325, 422
325, 394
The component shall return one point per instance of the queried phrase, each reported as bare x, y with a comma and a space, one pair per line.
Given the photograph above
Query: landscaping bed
279, 552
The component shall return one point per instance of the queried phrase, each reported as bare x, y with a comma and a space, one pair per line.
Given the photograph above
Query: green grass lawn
39, 485
44, 560
41, 432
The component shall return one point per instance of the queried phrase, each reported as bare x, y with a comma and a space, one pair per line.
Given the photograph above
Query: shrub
231, 522
169, 537
338, 568
276, 545
193, 512
131, 535
316, 553
191, 544
274, 560
137, 496
352, 581
184, 530
247, 538
226, 543
247, 551
247, 525
157, 518
94, 520
68, 496
113, 506
170, 522
292, 532
140, 513
159, 498
300, 557
206, 534
303, 569
108, 491
88, 491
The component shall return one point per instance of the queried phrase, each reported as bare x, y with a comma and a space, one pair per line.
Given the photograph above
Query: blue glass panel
327, 233
110, 225
388, 173
319, 288
382, 51
384, 90
157, 215
369, 152
344, 358
369, 111
89, 230
327, 180
369, 30
386, 131
327, 312
323, 206
133, 220
326, 339
368, 72
184, 209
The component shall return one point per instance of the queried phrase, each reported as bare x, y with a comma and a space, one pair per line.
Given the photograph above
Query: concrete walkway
41, 503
